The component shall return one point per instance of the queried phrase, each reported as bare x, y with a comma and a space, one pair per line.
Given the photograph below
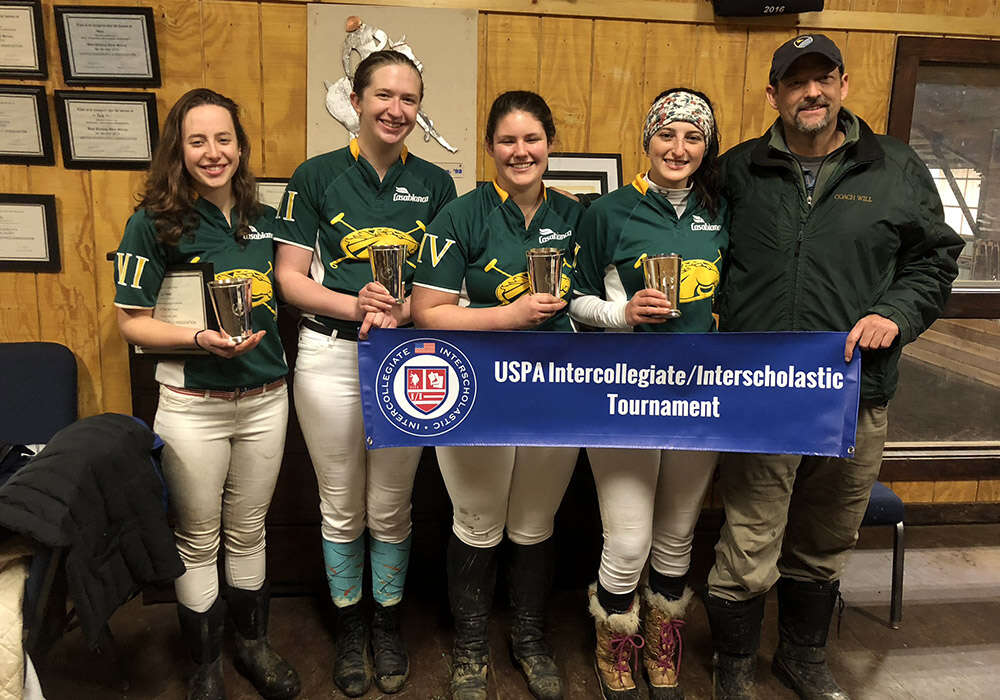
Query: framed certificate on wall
106, 130
29, 235
108, 45
25, 134
22, 40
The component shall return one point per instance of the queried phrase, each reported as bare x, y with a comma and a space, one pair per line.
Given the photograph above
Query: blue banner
732, 392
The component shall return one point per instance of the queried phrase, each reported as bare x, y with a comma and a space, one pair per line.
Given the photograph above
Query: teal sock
389, 564
344, 569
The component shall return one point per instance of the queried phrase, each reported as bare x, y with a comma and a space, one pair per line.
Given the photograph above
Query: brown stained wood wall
597, 74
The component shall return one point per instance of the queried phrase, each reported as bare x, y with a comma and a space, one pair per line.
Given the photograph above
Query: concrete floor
948, 646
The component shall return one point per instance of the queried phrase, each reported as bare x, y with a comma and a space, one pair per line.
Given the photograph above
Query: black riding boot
202, 632
530, 579
735, 639
271, 675
392, 665
352, 666
804, 611
472, 573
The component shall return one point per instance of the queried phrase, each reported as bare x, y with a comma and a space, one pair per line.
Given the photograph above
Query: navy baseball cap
794, 49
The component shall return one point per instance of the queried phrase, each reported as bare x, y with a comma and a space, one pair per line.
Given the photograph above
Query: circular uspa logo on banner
425, 387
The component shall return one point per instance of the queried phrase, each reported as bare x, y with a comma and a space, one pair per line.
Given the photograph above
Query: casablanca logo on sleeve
425, 387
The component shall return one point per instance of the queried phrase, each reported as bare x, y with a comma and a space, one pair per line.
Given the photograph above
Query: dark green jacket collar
860, 143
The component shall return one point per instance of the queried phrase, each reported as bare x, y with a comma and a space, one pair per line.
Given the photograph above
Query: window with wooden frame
944, 421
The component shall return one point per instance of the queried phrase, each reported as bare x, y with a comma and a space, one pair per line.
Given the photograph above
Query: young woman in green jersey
222, 416
472, 274
336, 205
650, 499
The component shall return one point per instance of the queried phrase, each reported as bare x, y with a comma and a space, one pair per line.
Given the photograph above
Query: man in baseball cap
834, 228
794, 49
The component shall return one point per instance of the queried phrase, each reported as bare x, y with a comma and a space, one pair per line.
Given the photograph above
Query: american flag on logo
424, 349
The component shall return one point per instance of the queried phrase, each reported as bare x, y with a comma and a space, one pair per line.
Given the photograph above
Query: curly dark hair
705, 181
169, 194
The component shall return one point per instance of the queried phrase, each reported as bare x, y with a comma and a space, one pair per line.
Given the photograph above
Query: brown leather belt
229, 395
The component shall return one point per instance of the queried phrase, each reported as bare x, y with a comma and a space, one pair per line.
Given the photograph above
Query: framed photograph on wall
270, 190
577, 181
29, 234
22, 40
25, 134
113, 46
610, 164
106, 130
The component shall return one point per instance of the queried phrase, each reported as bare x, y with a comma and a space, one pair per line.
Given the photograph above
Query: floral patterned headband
678, 107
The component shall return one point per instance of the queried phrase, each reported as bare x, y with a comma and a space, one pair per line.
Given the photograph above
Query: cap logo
802, 42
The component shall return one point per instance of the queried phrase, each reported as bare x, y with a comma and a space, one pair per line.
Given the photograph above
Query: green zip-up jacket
871, 239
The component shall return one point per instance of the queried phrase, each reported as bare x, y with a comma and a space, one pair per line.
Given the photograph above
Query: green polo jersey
476, 247
139, 269
622, 228
336, 207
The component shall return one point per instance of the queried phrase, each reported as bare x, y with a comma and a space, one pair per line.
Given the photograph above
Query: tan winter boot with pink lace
618, 645
662, 622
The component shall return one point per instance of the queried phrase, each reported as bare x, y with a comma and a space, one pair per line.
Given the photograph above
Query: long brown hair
170, 194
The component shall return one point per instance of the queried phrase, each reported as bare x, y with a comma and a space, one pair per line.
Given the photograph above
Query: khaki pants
793, 515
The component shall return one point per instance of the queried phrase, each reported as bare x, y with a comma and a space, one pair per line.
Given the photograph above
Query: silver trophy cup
663, 273
387, 268
544, 270
232, 300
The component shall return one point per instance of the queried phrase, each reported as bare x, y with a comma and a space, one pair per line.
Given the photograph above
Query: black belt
344, 332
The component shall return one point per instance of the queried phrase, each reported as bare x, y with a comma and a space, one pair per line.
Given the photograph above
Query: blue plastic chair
886, 508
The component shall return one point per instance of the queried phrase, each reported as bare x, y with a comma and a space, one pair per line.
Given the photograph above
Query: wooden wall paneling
757, 114
18, 290
721, 77
513, 50
482, 101
511, 62
283, 30
232, 63
914, 491
617, 103
869, 59
972, 8
875, 5
68, 299
112, 202
565, 78
955, 491
837, 5
179, 43
863, 15
671, 54
989, 491
924, 7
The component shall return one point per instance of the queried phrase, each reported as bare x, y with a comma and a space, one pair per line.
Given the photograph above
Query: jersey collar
640, 183
356, 150
504, 195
